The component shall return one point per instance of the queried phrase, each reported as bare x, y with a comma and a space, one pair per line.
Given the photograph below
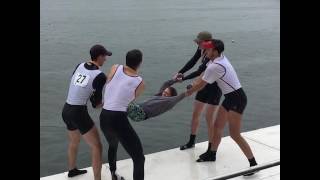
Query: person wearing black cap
86, 84
208, 96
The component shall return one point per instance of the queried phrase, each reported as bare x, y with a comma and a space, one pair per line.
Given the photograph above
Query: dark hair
134, 58
219, 45
173, 91
98, 50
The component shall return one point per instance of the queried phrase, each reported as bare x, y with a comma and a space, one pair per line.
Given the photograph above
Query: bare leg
197, 109
74, 140
218, 127
210, 117
234, 128
235, 133
93, 140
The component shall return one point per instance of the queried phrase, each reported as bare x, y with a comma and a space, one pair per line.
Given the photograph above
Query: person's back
120, 90
123, 87
81, 85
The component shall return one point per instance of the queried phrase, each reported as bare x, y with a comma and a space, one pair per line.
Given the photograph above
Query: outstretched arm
197, 85
191, 62
198, 72
165, 85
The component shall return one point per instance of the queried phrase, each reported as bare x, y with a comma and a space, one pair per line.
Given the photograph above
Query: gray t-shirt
158, 104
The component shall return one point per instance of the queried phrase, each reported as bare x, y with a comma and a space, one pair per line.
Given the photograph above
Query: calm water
164, 31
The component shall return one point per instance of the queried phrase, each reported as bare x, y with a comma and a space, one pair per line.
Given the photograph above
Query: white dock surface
174, 164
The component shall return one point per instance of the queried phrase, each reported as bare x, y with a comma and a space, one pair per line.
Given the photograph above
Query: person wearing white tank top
221, 71
123, 86
120, 90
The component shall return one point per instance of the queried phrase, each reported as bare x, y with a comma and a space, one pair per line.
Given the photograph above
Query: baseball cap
98, 50
203, 36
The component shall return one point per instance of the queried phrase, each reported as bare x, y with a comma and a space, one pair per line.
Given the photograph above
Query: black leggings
116, 127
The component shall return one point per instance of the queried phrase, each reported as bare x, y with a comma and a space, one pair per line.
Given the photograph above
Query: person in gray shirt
163, 101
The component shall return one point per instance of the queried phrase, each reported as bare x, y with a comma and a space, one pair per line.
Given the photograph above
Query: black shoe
117, 177
252, 173
75, 172
186, 146
204, 155
207, 156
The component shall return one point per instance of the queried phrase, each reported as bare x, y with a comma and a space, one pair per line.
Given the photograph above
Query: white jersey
80, 88
120, 90
221, 70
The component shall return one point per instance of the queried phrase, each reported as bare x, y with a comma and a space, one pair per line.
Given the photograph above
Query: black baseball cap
98, 50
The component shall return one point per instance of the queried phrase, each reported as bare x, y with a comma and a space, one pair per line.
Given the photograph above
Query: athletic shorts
135, 112
77, 117
235, 101
210, 94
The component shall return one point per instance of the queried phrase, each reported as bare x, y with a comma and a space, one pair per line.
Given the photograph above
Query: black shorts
210, 94
235, 101
77, 117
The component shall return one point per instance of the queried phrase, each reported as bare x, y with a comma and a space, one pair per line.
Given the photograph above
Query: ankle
252, 162
209, 146
212, 152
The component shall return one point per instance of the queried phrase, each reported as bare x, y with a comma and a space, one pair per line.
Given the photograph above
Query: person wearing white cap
221, 71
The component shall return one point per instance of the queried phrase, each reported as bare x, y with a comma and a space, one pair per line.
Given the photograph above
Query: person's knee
195, 121
197, 109
196, 114
217, 127
209, 115
209, 118
96, 146
217, 130
74, 143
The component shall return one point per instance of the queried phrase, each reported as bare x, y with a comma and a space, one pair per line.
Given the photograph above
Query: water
164, 31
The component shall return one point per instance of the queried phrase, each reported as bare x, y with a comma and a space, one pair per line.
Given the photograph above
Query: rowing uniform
119, 92
86, 83
211, 93
221, 71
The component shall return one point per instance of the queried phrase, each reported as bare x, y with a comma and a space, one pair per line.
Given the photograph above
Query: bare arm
112, 71
197, 85
164, 86
140, 89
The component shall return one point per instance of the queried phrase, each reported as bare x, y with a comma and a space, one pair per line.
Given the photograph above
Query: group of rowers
116, 92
